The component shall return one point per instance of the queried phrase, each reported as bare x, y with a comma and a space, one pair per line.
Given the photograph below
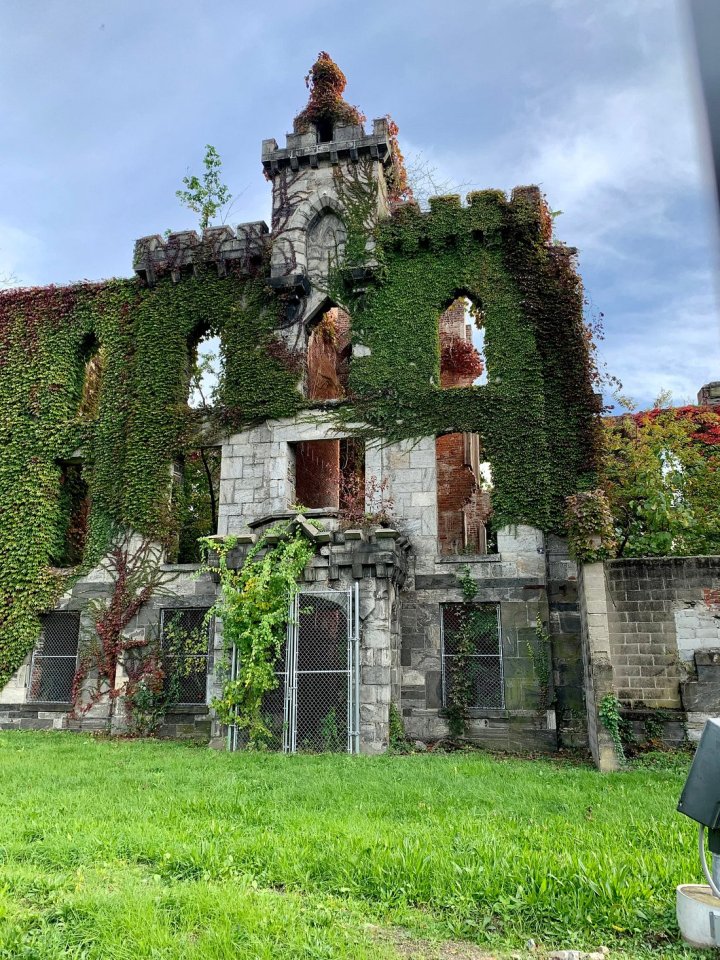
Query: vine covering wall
537, 414
141, 423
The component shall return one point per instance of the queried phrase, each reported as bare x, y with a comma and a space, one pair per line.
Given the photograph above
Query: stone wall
515, 580
651, 637
566, 631
181, 588
663, 612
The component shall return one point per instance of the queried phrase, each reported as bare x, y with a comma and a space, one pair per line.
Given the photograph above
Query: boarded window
54, 659
184, 644
472, 654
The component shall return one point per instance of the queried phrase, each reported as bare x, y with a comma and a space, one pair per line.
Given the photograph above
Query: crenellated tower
327, 150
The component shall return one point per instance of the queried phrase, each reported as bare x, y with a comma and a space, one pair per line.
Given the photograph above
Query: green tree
208, 195
661, 474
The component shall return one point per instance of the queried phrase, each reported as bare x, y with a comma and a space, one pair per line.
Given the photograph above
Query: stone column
597, 661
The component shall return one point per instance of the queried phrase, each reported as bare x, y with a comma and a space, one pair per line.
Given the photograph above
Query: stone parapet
380, 554
238, 251
349, 142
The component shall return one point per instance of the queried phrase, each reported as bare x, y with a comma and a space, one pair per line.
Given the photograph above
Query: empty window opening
472, 655
478, 341
461, 364
317, 474
324, 130
328, 356
94, 359
74, 510
352, 479
184, 646
330, 474
206, 368
54, 659
464, 487
196, 487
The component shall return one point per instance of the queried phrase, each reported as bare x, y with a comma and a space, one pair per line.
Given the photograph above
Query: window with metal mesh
54, 659
472, 654
184, 644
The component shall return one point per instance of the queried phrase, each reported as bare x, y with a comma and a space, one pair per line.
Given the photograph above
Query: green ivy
253, 607
537, 415
141, 425
609, 713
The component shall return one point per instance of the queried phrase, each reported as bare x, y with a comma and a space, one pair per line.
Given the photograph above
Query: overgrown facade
411, 390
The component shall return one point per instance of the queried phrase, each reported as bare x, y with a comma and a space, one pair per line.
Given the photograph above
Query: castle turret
327, 151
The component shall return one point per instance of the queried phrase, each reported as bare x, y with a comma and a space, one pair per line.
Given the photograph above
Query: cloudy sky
105, 104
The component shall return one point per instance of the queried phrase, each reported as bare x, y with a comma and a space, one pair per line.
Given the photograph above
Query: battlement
349, 142
183, 252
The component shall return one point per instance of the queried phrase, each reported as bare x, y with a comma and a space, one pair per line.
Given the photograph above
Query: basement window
184, 649
474, 627
54, 659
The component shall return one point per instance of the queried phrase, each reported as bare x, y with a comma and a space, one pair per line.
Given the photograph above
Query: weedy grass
139, 849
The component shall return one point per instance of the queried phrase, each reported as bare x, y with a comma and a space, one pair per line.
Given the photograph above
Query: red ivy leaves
460, 357
326, 83
705, 420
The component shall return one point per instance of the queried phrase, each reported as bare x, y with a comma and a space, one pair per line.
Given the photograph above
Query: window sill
47, 706
469, 558
196, 708
485, 714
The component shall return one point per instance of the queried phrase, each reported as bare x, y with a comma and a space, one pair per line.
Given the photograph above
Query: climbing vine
126, 419
128, 437
459, 678
609, 713
537, 415
540, 655
253, 607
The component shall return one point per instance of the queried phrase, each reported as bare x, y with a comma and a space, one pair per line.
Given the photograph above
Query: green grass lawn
140, 849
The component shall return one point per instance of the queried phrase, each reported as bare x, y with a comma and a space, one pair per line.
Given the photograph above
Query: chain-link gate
315, 706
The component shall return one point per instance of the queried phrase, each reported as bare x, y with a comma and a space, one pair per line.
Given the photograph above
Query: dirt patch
410, 948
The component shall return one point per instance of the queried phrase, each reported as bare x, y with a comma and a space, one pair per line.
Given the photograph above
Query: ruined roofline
349, 141
242, 249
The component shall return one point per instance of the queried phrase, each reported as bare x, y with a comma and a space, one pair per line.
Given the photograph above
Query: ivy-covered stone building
409, 390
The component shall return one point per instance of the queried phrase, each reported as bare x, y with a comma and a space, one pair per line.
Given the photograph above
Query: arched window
328, 356
196, 476
205, 369
461, 363
325, 244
